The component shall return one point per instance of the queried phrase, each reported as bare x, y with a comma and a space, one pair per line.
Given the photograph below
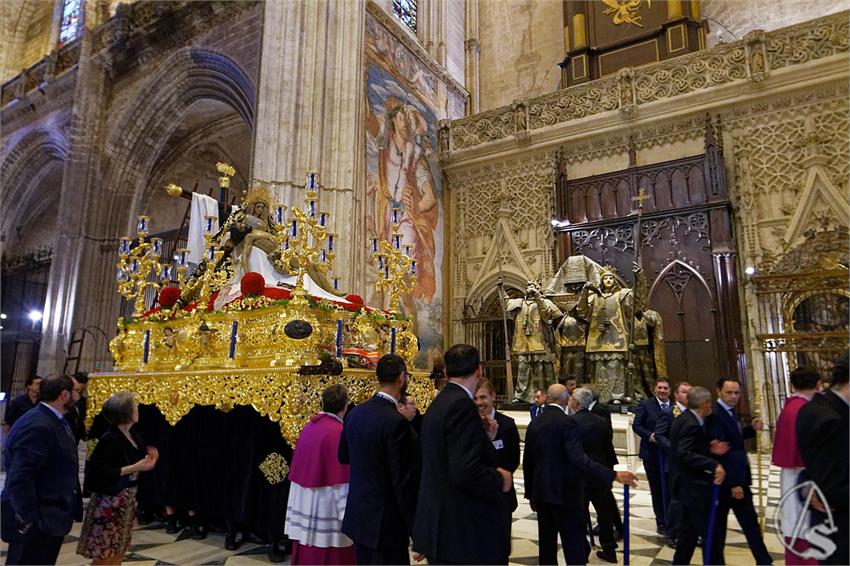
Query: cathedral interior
696, 151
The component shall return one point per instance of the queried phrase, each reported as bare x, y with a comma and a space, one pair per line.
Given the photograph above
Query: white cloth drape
314, 515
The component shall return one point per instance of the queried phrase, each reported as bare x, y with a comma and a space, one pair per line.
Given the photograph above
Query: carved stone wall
521, 43
732, 19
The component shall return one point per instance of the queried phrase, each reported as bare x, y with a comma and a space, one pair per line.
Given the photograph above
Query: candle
331, 242
395, 212
294, 228
181, 257
143, 226
380, 261
279, 216
323, 218
311, 208
338, 337
286, 244
233, 328
386, 271
208, 224
156, 250
146, 347
413, 267
407, 248
392, 341
312, 181
121, 275
211, 253
165, 274
397, 241
124, 246
323, 256
374, 245
135, 267
336, 287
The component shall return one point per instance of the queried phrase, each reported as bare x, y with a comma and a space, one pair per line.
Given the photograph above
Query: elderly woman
111, 476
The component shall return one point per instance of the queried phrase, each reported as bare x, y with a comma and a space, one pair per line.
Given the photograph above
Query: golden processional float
247, 314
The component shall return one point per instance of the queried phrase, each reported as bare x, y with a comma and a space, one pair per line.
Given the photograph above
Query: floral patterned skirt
108, 524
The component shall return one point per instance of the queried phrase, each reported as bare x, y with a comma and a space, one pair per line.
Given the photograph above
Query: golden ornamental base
279, 393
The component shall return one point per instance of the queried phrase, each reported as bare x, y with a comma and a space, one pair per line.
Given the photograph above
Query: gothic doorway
484, 328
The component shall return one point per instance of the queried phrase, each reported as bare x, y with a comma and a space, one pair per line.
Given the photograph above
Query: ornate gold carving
274, 468
625, 11
280, 394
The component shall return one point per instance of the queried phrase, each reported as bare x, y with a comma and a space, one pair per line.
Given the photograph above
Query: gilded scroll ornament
274, 468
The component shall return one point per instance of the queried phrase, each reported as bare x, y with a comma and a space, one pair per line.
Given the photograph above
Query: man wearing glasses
42, 495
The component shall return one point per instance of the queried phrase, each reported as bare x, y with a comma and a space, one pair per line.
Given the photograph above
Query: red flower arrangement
252, 284
168, 297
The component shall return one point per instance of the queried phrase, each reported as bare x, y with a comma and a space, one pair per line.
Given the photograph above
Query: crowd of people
379, 482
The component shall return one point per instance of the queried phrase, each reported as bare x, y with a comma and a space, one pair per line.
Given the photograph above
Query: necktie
735, 418
67, 427
664, 406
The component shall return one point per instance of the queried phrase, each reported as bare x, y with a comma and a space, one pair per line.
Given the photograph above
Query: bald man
556, 468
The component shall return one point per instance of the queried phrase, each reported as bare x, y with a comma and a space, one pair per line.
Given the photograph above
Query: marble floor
151, 545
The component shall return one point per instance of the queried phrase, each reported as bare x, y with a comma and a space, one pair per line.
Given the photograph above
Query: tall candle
330, 242
395, 211
323, 218
280, 209
146, 348
294, 228
374, 245
336, 283
124, 246
413, 267
392, 341
233, 328
338, 337
397, 241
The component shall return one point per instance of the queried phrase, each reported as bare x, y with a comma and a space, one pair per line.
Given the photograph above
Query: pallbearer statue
609, 310
533, 341
650, 359
565, 291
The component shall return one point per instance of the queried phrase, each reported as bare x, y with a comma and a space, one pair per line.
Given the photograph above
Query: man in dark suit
596, 439
673, 512
723, 425
376, 441
556, 467
539, 402
506, 442
598, 409
42, 495
822, 436
22, 403
460, 496
646, 417
696, 471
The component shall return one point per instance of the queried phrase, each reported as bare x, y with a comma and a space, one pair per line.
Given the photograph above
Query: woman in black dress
111, 477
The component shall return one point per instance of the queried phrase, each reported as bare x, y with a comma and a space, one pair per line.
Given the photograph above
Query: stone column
473, 56
309, 113
71, 284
